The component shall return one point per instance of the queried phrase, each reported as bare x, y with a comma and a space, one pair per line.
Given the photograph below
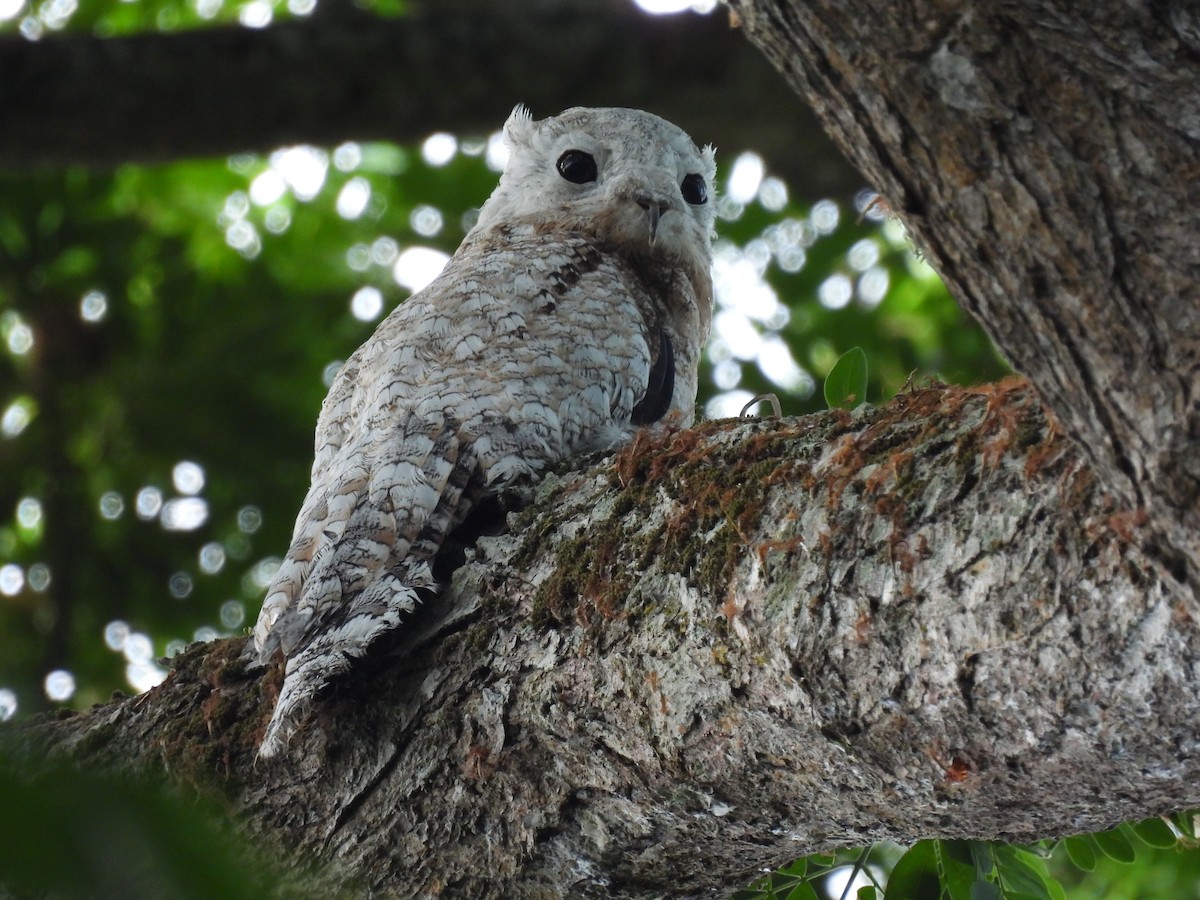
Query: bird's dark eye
694, 190
577, 166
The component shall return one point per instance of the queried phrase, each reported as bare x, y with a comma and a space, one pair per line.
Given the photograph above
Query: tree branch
353, 76
739, 643
1043, 156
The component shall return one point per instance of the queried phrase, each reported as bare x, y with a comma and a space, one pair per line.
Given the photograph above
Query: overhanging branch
344, 75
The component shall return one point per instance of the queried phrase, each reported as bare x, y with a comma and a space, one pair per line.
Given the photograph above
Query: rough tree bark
733, 645
727, 647
460, 67
1044, 154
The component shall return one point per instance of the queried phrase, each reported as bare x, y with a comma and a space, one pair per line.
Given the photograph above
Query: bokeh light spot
825, 216
496, 154
347, 157
256, 14
29, 512
873, 286
727, 405
233, 614
184, 514
303, 168
12, 579
212, 558
439, 148
278, 219
137, 647
776, 362
38, 577
426, 220
59, 685
148, 503
358, 258
144, 676
745, 177
237, 205
93, 307
773, 194
180, 585
112, 505
188, 477
249, 519
835, 292
17, 417
353, 198
384, 251
727, 375
116, 633
792, 259
261, 574
243, 237
862, 255
267, 187
367, 303
10, 9
19, 337
330, 371
738, 332
8, 704
56, 13
418, 266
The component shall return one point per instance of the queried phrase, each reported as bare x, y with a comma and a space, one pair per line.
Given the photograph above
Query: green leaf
983, 858
846, 383
1080, 852
802, 892
867, 893
957, 868
916, 874
1154, 833
1115, 845
57, 826
985, 890
797, 867
1021, 873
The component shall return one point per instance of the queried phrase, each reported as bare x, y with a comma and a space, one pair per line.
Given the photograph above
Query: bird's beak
654, 212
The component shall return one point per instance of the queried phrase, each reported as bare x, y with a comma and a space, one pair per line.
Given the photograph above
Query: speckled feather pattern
536, 342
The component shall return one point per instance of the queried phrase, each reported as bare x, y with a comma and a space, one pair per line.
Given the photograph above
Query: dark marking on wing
661, 386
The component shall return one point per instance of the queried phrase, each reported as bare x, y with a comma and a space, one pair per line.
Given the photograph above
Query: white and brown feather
537, 341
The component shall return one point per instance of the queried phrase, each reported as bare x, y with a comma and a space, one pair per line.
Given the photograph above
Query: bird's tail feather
372, 561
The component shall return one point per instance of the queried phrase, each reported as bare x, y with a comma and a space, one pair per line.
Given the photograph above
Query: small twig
761, 398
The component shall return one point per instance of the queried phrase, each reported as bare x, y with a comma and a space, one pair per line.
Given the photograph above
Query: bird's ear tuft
518, 128
709, 155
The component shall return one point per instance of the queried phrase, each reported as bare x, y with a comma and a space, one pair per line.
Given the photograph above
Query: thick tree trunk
345, 75
722, 649
1044, 155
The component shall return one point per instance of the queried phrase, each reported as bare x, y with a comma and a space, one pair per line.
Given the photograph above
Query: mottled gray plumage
573, 311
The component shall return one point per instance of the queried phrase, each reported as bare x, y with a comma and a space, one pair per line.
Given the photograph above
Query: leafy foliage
1067, 869
846, 383
72, 834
